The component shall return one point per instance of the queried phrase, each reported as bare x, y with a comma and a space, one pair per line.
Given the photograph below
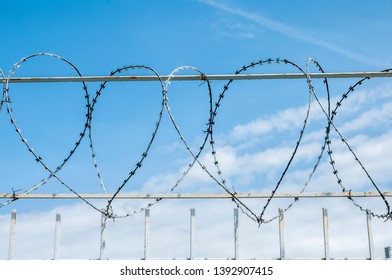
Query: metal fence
218, 178
236, 239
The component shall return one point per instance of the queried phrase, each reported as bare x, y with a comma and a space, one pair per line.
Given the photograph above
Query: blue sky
256, 127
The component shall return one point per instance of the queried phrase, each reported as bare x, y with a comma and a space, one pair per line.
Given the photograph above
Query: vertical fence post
370, 233
103, 241
12, 235
147, 234
281, 234
387, 251
192, 234
326, 236
236, 235
57, 235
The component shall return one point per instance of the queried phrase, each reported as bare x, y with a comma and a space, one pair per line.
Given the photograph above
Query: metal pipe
197, 77
12, 235
387, 251
326, 236
102, 241
57, 235
370, 233
236, 235
192, 234
281, 234
195, 195
146, 234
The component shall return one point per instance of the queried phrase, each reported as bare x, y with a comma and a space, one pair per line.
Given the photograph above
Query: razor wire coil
209, 139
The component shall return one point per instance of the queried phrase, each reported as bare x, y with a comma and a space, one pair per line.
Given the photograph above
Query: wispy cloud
291, 32
236, 30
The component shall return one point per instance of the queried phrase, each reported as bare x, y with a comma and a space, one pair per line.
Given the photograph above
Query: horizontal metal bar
196, 195
197, 77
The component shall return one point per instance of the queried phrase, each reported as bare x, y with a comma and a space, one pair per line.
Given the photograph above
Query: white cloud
284, 120
376, 117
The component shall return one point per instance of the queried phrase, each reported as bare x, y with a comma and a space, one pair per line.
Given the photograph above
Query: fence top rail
195, 195
197, 77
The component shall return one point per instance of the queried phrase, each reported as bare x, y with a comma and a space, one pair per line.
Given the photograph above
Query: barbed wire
3, 91
195, 157
37, 157
109, 213
330, 115
260, 218
217, 176
388, 214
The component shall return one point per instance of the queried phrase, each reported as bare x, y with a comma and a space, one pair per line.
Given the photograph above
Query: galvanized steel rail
222, 77
195, 195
